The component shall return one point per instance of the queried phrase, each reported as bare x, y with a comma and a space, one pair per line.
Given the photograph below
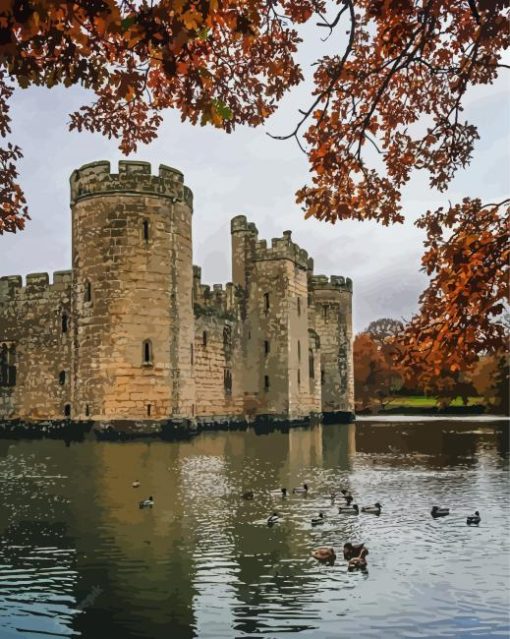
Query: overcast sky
246, 172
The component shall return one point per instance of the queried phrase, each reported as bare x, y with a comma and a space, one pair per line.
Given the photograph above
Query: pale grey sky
248, 173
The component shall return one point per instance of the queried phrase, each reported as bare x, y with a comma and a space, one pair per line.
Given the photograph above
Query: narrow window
323, 376
191, 354
266, 301
311, 364
147, 352
146, 230
65, 321
325, 312
299, 377
193, 410
87, 410
204, 339
148, 410
266, 382
299, 351
62, 378
88, 292
227, 381
299, 306
227, 336
67, 410
266, 347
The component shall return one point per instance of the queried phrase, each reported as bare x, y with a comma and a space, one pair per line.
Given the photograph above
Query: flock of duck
354, 554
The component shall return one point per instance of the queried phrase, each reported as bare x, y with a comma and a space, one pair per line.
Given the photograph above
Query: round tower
332, 303
132, 284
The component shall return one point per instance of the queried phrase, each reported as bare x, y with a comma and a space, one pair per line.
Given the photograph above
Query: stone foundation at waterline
131, 334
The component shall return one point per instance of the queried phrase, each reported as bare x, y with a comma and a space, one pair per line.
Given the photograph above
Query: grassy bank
421, 401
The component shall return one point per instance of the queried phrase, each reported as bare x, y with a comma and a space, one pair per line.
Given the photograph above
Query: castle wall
31, 319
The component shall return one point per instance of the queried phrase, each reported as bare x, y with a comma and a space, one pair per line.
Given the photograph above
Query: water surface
78, 558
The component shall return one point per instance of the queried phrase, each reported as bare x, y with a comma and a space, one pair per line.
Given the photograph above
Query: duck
273, 519
317, 521
358, 563
324, 554
474, 519
353, 550
301, 489
439, 512
248, 495
348, 499
372, 510
136, 484
146, 503
281, 492
349, 510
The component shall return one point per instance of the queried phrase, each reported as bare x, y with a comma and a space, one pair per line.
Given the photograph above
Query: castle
132, 333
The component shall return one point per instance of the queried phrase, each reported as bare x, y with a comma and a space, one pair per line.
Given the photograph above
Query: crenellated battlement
133, 177
335, 282
282, 248
12, 286
218, 299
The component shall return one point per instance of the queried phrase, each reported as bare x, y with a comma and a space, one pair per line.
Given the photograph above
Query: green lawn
420, 401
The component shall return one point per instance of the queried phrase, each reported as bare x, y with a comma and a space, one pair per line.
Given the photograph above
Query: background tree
374, 377
394, 89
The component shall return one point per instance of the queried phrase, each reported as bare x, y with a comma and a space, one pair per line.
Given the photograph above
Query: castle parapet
282, 248
133, 177
335, 282
12, 285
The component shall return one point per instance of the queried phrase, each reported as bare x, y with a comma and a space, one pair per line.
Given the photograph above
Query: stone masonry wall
31, 320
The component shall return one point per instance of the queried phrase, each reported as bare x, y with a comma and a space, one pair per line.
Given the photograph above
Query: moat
79, 558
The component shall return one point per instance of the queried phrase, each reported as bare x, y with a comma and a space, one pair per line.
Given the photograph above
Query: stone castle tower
131, 333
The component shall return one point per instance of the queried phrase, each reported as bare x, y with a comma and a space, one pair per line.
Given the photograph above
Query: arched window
67, 410
88, 292
267, 347
266, 301
147, 352
266, 382
65, 322
62, 378
145, 230
311, 364
148, 410
204, 339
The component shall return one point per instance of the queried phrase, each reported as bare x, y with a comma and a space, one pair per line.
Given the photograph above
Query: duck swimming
348, 499
349, 510
372, 510
248, 495
301, 489
474, 520
146, 503
324, 554
353, 550
358, 563
317, 521
439, 512
282, 492
136, 484
273, 519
